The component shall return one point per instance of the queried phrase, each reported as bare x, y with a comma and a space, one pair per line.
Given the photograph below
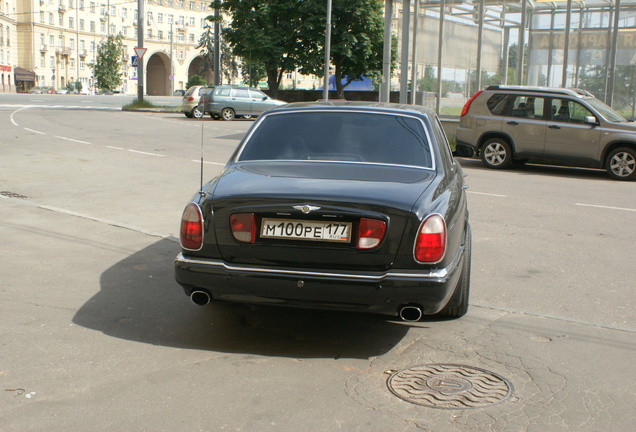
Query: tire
496, 153
621, 164
463, 285
228, 114
197, 113
188, 115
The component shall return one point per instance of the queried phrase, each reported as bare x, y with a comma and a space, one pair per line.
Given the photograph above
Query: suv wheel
227, 114
621, 164
496, 153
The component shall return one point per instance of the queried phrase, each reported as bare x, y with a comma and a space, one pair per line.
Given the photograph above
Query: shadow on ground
140, 301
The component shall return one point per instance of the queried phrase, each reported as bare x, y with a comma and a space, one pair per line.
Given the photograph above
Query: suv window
498, 104
256, 94
223, 91
569, 111
528, 107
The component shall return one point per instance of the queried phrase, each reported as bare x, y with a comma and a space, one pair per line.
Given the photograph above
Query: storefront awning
23, 74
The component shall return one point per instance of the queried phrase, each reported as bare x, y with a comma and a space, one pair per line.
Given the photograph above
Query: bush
195, 80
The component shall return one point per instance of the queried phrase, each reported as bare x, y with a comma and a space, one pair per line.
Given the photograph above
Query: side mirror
591, 120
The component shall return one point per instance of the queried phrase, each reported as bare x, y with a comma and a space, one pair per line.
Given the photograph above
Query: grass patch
144, 104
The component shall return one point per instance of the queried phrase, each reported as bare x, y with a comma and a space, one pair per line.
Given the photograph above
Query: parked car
42, 90
62, 90
505, 124
179, 92
228, 102
190, 101
334, 205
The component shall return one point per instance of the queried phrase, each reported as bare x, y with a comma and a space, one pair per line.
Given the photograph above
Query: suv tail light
191, 233
370, 233
243, 227
430, 244
468, 102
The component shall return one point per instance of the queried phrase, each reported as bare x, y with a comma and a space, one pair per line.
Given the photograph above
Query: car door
241, 101
525, 124
568, 137
260, 102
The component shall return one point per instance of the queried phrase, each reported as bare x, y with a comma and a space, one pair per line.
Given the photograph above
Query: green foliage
253, 73
195, 80
78, 86
108, 63
70, 86
229, 65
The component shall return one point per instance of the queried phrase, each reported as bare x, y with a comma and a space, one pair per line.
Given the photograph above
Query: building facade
58, 40
8, 44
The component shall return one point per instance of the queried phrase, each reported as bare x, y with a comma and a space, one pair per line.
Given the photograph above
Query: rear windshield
340, 136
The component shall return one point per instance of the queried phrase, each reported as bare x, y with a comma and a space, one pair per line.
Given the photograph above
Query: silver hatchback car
505, 124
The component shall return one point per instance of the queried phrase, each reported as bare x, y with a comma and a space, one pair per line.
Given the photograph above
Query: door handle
554, 127
513, 123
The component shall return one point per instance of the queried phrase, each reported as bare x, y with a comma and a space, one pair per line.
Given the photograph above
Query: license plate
306, 230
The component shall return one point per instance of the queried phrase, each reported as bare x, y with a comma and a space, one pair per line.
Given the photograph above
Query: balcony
43, 48
61, 8
62, 50
82, 53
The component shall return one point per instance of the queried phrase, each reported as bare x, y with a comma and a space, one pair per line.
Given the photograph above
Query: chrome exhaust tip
410, 313
200, 298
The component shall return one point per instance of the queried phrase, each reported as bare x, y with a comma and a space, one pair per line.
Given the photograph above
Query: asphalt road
98, 336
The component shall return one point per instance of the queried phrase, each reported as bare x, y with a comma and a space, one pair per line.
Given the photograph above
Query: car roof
353, 105
537, 89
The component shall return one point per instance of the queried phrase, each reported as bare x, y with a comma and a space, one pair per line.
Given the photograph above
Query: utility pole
325, 85
140, 44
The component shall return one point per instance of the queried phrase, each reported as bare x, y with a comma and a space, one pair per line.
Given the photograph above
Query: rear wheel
463, 285
621, 164
496, 153
197, 113
228, 114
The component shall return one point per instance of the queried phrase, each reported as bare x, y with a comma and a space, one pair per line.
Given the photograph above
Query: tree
195, 80
357, 41
267, 31
108, 63
229, 65
253, 72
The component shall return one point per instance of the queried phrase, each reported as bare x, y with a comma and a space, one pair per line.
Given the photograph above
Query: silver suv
505, 124
228, 102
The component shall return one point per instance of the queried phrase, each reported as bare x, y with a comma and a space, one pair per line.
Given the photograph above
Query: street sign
140, 52
171, 77
134, 60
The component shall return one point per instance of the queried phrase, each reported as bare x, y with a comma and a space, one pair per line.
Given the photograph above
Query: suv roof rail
556, 90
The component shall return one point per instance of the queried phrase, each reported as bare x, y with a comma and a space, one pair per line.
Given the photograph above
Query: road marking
115, 148
146, 153
71, 139
34, 131
486, 194
210, 163
605, 207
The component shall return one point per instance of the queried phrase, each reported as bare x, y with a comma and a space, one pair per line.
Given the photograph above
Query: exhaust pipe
410, 313
200, 298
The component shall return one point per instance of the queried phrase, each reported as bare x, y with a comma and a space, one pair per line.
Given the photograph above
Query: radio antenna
201, 169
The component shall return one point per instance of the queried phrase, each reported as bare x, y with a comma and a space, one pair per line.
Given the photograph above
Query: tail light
190, 99
430, 244
370, 233
243, 227
468, 102
191, 234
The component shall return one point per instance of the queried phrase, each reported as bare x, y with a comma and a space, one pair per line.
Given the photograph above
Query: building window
170, 18
159, 17
72, 63
113, 11
191, 21
81, 24
113, 29
181, 4
52, 61
42, 61
81, 5
180, 56
102, 27
160, 34
81, 64
42, 17
92, 26
192, 5
71, 22
191, 38
71, 43
92, 7
124, 31
124, 13
51, 41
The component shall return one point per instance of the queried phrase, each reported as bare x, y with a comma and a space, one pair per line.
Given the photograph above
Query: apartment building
8, 50
57, 40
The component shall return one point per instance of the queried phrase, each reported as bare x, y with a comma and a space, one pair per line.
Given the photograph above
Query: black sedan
334, 205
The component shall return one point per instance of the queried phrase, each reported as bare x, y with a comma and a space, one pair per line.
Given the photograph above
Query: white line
34, 131
115, 148
210, 163
146, 153
605, 207
71, 139
487, 194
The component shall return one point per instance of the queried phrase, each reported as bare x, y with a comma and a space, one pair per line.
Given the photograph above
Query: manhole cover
449, 386
11, 194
